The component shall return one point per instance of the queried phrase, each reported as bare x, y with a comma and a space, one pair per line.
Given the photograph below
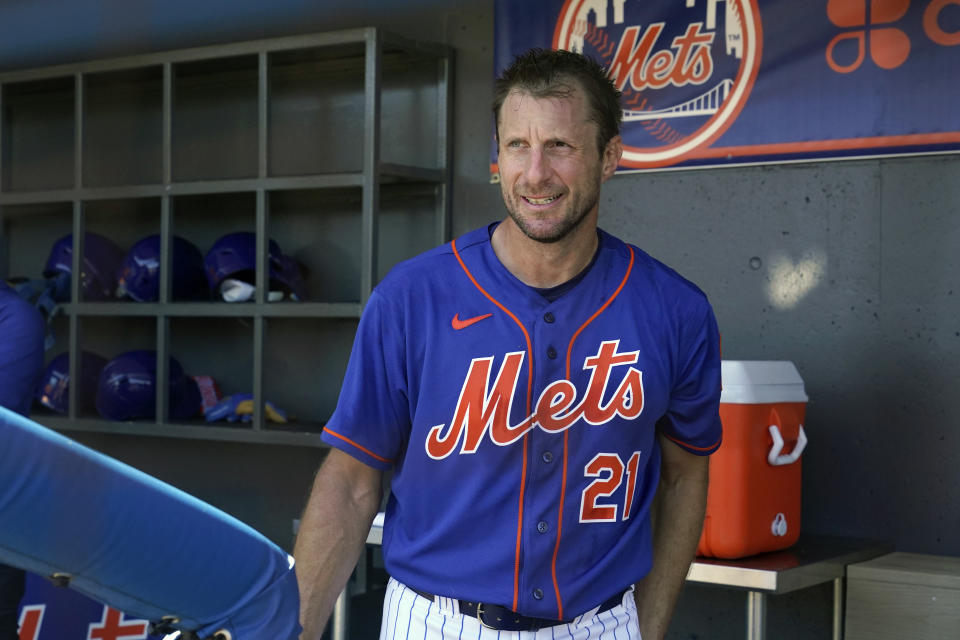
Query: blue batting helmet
235, 256
98, 273
139, 275
127, 388
53, 390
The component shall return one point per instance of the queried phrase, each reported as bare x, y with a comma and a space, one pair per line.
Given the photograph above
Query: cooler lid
761, 382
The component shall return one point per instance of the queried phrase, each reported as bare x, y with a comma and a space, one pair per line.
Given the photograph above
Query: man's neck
544, 264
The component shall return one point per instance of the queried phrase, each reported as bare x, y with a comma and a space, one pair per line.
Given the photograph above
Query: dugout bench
814, 560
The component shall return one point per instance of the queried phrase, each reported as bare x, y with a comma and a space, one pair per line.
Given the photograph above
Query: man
21, 361
534, 385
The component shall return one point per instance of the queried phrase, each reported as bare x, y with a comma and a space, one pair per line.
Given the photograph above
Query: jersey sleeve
693, 417
371, 421
21, 352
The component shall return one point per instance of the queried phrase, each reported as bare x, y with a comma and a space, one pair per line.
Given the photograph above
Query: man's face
550, 167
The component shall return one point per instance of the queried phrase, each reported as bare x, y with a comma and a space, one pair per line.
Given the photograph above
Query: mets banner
727, 82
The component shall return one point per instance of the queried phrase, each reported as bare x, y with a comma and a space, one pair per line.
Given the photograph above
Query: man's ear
611, 156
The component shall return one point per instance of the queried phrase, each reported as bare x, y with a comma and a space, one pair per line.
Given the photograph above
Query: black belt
494, 616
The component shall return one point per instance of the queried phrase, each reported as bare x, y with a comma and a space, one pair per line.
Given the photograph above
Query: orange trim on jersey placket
358, 446
566, 435
523, 474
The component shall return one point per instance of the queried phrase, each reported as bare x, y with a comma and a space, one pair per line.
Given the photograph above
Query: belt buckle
483, 622
511, 620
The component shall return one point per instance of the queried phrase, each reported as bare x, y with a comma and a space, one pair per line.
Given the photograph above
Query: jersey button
542, 526
548, 318
551, 353
547, 456
538, 594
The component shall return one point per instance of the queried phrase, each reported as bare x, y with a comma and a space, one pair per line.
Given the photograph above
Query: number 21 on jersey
609, 471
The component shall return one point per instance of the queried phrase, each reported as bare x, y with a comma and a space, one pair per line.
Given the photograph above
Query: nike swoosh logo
458, 324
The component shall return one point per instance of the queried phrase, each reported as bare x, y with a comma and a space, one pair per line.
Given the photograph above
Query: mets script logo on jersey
484, 409
685, 68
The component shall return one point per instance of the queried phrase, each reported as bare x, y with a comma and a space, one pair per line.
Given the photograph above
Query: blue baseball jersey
21, 350
522, 431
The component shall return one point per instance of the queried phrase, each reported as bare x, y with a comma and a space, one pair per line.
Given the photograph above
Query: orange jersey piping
690, 446
523, 474
566, 435
358, 446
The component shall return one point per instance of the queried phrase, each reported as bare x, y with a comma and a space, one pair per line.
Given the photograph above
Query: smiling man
546, 395
551, 170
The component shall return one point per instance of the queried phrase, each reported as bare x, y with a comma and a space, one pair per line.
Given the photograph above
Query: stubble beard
577, 211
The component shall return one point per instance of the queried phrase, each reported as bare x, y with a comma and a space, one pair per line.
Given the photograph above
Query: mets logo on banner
685, 68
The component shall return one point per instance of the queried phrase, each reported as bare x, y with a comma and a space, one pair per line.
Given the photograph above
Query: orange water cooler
753, 504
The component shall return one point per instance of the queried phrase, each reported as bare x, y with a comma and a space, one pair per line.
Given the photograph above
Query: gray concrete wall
849, 269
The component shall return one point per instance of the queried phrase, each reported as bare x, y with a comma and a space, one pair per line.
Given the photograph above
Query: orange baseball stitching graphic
659, 128
599, 39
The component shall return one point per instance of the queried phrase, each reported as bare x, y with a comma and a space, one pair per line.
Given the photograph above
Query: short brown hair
545, 73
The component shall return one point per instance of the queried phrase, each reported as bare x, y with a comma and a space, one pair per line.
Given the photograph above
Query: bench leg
756, 615
340, 620
838, 600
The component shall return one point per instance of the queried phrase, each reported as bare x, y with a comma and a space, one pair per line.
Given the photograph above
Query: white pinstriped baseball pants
409, 616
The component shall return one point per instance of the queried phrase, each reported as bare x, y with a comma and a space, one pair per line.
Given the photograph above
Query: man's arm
677, 518
333, 530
